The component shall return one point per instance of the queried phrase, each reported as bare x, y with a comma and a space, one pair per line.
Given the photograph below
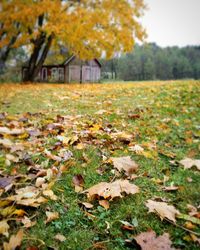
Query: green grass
169, 116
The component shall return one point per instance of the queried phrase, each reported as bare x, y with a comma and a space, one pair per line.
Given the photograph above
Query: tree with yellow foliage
88, 28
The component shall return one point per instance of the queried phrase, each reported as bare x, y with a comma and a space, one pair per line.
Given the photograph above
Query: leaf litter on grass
37, 149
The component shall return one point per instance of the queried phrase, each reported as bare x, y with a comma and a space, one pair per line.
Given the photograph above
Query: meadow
57, 141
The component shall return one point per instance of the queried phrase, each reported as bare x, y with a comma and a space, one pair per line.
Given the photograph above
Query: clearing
56, 141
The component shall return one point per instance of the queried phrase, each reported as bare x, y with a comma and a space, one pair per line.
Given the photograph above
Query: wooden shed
72, 70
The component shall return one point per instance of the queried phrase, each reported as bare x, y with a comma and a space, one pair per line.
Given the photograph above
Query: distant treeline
151, 62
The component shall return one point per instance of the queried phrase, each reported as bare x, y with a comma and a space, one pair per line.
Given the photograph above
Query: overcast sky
173, 22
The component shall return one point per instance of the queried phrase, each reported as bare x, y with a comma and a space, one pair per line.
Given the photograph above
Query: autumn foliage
87, 29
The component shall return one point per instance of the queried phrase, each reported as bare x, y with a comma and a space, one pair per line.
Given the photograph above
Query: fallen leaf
14, 242
104, 203
27, 222
5, 181
162, 209
101, 112
149, 241
7, 131
51, 216
6, 143
39, 181
188, 163
19, 212
136, 148
87, 205
4, 227
111, 190
78, 180
60, 237
170, 188
189, 218
192, 210
126, 225
51, 156
50, 194
134, 116
189, 225
7, 211
125, 163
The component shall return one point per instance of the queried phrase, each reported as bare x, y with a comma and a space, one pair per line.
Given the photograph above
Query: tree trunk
2, 66
4, 53
38, 56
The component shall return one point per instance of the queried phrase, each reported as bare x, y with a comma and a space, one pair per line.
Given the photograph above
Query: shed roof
68, 60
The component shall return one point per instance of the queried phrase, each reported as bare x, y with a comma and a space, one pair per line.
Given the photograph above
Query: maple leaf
162, 209
148, 240
112, 190
188, 163
125, 163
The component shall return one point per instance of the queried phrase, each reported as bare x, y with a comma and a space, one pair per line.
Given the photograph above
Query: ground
155, 123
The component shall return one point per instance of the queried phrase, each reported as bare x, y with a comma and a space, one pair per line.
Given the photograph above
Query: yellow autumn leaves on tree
87, 29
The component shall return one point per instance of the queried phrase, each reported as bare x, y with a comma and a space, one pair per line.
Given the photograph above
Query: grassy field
102, 121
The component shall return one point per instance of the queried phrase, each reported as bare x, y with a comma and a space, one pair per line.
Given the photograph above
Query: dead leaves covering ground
37, 152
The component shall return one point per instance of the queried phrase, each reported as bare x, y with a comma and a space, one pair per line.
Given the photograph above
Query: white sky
173, 22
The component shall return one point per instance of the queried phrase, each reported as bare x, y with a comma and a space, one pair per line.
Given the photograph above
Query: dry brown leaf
4, 227
122, 136
127, 226
192, 210
188, 163
125, 163
149, 241
39, 181
60, 237
14, 242
27, 222
87, 205
50, 194
28, 196
101, 112
6, 143
137, 149
12, 158
5, 181
78, 180
104, 203
51, 216
170, 188
162, 209
51, 156
7, 131
112, 190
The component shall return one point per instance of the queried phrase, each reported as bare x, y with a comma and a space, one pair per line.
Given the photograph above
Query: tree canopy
88, 28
